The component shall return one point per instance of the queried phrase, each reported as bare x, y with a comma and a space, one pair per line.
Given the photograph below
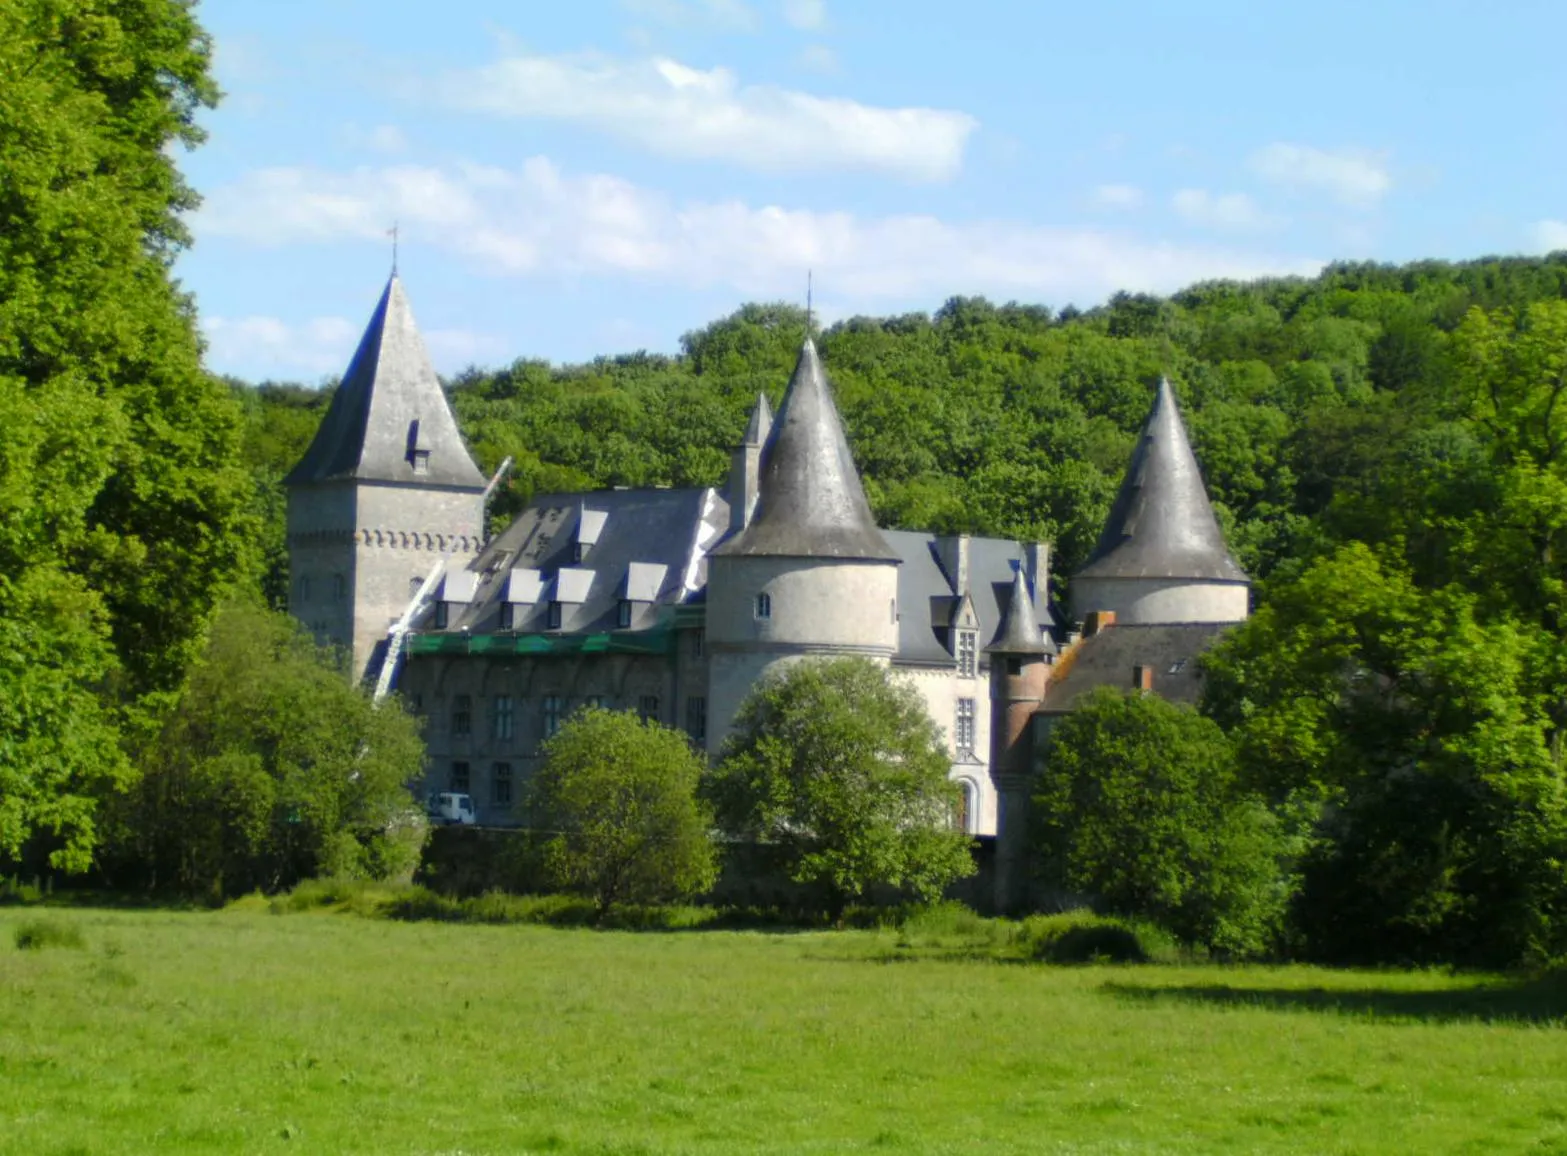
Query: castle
675, 602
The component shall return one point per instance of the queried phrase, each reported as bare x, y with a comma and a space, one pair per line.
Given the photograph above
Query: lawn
241, 1031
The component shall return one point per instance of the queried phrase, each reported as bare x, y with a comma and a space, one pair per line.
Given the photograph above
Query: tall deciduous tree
615, 802
121, 501
838, 765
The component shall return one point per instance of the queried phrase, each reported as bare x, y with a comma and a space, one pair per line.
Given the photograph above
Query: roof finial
392, 233
807, 303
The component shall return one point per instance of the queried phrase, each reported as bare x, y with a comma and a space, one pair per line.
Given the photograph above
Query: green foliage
614, 799
122, 510
37, 934
838, 764
1138, 807
271, 768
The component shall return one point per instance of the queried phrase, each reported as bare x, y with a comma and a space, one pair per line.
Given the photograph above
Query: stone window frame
967, 648
965, 729
503, 714
764, 605
552, 711
462, 715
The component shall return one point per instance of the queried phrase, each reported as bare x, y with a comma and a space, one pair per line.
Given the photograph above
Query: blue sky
602, 176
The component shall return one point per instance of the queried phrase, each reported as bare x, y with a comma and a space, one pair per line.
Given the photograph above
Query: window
552, 619
421, 461
963, 815
696, 718
500, 784
965, 728
460, 778
623, 613
698, 643
504, 716
764, 605
304, 587
647, 707
462, 715
552, 705
508, 616
442, 615
968, 654
339, 588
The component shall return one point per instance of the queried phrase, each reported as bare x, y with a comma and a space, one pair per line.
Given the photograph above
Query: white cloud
383, 138
679, 111
808, 15
321, 347
1351, 176
1220, 210
536, 220
725, 15
1118, 196
819, 58
1549, 236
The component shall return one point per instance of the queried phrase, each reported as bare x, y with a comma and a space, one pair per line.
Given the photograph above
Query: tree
122, 506
1138, 807
615, 799
271, 768
837, 764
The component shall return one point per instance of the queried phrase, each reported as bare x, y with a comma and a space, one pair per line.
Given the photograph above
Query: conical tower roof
1162, 525
811, 503
389, 420
1019, 631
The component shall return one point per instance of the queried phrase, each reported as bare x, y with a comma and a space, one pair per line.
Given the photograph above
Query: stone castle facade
675, 602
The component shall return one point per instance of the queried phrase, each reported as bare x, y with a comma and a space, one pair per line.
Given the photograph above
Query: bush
1083, 937
37, 934
14, 891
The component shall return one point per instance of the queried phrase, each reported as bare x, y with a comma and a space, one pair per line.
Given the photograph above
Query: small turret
1162, 557
1020, 657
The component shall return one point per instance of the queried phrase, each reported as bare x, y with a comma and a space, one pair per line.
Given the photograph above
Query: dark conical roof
389, 405
1018, 632
811, 503
1162, 525
761, 422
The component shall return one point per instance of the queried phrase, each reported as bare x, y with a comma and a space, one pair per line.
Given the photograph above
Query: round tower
1162, 557
1020, 658
804, 571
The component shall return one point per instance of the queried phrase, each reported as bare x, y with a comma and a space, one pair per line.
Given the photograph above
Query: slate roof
1019, 632
810, 501
650, 544
926, 597
1162, 525
1107, 659
389, 405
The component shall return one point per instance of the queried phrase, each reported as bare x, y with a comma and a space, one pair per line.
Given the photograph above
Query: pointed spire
1162, 525
761, 422
811, 502
389, 420
1019, 631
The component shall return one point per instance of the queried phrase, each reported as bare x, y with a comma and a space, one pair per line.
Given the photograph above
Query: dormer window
764, 605
552, 616
421, 461
968, 654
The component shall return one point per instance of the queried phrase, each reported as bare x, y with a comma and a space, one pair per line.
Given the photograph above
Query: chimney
954, 552
1097, 620
1036, 562
1142, 678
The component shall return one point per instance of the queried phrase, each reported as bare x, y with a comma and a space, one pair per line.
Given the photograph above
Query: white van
450, 807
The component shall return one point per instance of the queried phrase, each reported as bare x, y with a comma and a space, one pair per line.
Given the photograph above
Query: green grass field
244, 1032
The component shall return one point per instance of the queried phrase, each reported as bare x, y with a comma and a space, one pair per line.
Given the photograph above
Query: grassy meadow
241, 1031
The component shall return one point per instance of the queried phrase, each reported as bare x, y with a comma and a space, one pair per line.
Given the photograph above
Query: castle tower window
500, 784
461, 780
462, 715
968, 654
764, 605
696, 718
964, 731
504, 716
552, 713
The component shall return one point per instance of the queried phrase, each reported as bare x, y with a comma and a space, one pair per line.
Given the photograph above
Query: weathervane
392, 233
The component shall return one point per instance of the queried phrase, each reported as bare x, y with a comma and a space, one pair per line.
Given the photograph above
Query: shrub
37, 934
1083, 937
